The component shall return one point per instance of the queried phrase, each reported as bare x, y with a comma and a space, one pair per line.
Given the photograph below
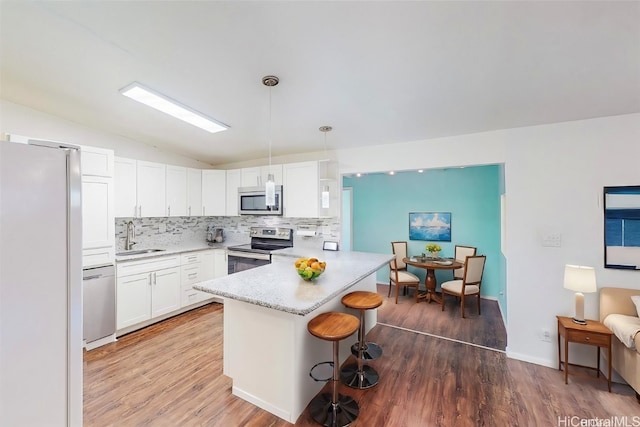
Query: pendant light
270, 185
324, 200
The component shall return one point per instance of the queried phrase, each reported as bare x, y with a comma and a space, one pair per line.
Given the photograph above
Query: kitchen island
268, 352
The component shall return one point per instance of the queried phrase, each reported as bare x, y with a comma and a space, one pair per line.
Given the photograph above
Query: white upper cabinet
97, 212
176, 187
214, 185
257, 176
250, 177
126, 203
194, 192
300, 189
146, 189
96, 161
234, 181
150, 188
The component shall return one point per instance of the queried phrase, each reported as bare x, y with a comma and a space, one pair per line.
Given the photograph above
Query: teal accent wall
382, 202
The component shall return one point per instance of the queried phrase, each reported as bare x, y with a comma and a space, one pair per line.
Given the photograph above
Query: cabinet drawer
125, 268
190, 258
193, 296
191, 274
101, 256
584, 337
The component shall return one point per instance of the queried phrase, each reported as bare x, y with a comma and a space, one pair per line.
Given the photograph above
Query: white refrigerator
40, 285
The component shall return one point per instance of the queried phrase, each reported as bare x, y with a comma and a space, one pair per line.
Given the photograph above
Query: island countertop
278, 286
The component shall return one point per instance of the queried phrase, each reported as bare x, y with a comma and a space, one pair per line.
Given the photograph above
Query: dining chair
398, 273
461, 253
469, 284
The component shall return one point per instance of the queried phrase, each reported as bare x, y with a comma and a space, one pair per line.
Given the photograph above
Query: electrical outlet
162, 227
545, 335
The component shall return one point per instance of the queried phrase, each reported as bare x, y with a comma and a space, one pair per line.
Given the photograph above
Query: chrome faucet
131, 234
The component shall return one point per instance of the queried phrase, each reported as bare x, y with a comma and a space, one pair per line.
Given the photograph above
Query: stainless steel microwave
253, 201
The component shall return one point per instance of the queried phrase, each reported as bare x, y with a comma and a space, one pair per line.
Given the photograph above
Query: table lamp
580, 279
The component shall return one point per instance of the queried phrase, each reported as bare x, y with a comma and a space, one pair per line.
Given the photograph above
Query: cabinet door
151, 189
207, 268
251, 177
96, 161
176, 186
124, 188
97, 215
300, 188
220, 264
194, 192
165, 293
234, 181
214, 184
134, 299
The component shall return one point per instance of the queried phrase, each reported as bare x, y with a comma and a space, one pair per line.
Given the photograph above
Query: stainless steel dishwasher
99, 302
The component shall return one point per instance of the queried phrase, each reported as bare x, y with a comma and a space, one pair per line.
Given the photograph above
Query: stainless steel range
264, 240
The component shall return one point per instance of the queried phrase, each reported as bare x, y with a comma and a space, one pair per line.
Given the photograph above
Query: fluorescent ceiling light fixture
173, 108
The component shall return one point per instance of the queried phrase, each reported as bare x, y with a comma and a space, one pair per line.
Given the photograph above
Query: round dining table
431, 265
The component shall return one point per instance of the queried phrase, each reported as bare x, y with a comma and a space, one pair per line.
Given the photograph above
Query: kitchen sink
138, 252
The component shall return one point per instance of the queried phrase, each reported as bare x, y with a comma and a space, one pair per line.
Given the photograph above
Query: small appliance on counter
215, 235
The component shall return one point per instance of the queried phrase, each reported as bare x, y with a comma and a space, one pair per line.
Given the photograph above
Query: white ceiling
378, 72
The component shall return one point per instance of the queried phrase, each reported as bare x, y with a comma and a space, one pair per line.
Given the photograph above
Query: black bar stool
334, 410
358, 375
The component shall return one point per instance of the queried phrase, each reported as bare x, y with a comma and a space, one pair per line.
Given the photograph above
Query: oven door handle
249, 255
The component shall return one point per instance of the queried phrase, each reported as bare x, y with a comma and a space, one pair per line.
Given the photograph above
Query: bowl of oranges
309, 268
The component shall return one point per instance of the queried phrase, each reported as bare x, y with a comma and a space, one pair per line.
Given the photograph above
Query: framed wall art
622, 227
432, 226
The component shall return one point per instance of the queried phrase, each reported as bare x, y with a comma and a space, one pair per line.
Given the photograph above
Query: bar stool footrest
371, 350
341, 414
361, 380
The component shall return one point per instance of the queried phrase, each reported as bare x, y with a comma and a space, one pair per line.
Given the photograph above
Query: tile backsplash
175, 231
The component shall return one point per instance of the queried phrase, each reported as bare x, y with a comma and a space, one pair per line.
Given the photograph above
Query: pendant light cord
270, 129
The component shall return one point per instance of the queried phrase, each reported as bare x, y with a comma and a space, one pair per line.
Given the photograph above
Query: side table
593, 333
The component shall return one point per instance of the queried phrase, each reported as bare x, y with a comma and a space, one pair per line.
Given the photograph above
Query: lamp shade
579, 278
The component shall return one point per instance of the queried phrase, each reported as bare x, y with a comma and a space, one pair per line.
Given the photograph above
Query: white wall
20, 120
554, 176
554, 179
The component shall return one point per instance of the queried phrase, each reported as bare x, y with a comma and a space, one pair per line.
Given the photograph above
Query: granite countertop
171, 250
278, 285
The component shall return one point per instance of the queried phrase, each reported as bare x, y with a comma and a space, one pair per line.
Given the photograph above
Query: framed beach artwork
432, 226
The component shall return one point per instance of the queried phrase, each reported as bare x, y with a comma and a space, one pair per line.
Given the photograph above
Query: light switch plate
552, 240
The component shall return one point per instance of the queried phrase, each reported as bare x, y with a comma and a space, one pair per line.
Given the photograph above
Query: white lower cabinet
153, 288
146, 289
165, 291
198, 267
134, 299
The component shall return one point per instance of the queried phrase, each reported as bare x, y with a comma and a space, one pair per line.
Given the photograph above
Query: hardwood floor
486, 329
170, 374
